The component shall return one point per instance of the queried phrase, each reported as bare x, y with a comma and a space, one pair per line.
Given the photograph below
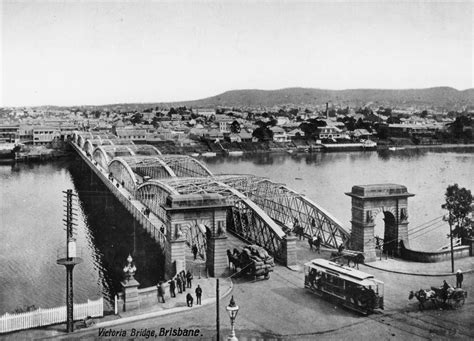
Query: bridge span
179, 201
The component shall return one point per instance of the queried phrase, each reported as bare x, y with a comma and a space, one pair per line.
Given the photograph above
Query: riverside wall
435, 256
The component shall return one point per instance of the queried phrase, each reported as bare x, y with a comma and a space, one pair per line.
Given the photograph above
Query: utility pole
451, 239
69, 259
217, 309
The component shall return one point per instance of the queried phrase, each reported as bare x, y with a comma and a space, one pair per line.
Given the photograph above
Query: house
279, 134
295, 134
224, 123
361, 134
242, 136
213, 135
9, 133
330, 132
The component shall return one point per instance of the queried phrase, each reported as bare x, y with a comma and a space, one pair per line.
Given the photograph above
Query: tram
352, 288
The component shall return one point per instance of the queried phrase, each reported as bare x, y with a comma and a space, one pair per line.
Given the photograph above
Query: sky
103, 52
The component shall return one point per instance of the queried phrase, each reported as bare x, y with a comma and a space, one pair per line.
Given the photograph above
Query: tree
136, 118
458, 203
155, 121
263, 133
235, 127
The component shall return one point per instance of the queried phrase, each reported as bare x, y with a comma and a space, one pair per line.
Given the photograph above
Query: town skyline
68, 54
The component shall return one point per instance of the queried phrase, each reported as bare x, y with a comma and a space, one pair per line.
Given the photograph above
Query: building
330, 132
9, 133
224, 123
279, 134
132, 134
296, 134
408, 130
44, 135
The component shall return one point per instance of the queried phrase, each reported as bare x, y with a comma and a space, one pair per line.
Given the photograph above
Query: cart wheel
458, 303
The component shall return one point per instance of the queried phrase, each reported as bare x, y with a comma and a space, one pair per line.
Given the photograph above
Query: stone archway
367, 202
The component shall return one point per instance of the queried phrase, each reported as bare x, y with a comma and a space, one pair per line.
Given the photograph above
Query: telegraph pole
69, 258
217, 310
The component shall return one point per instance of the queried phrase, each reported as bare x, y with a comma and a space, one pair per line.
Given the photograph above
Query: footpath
393, 265
173, 305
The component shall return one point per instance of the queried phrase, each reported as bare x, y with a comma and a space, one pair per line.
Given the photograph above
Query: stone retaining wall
435, 256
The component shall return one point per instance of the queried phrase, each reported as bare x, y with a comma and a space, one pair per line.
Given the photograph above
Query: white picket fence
45, 317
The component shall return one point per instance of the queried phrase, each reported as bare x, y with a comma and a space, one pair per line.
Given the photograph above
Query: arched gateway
367, 202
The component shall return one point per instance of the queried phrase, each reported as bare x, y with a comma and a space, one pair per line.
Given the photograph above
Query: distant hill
439, 97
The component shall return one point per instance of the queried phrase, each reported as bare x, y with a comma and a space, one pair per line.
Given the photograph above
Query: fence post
116, 304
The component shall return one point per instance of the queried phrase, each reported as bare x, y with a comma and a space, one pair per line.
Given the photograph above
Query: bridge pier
289, 250
368, 201
187, 210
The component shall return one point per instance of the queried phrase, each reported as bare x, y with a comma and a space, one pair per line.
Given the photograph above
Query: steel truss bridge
262, 210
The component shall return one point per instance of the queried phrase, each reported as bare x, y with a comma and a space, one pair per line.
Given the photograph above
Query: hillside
439, 97
444, 98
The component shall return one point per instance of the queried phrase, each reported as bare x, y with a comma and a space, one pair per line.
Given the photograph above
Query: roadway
279, 308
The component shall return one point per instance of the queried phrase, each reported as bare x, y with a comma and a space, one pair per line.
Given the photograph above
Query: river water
31, 213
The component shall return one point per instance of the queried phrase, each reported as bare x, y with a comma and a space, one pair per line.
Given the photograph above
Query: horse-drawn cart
253, 260
449, 298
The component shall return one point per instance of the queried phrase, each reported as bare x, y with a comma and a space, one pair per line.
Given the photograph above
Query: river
31, 213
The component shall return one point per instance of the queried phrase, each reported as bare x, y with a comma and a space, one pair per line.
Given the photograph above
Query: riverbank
234, 149
206, 149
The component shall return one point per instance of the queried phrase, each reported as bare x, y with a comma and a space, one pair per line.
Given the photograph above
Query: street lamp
232, 310
129, 269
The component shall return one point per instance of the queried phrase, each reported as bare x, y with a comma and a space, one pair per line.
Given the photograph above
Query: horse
357, 259
423, 296
336, 257
234, 258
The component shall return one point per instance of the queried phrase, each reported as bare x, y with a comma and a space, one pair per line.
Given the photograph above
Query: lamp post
232, 310
129, 269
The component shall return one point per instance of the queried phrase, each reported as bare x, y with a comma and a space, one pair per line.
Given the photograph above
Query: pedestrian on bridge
172, 288
189, 278
195, 251
317, 244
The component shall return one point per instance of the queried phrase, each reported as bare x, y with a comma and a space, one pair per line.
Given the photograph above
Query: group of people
181, 281
316, 242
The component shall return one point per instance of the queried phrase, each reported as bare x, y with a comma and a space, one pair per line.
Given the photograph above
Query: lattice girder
285, 206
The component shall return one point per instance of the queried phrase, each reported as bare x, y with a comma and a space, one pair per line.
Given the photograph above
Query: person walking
161, 293
317, 243
459, 278
195, 251
189, 300
172, 288
178, 283
183, 280
310, 242
198, 295
189, 278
